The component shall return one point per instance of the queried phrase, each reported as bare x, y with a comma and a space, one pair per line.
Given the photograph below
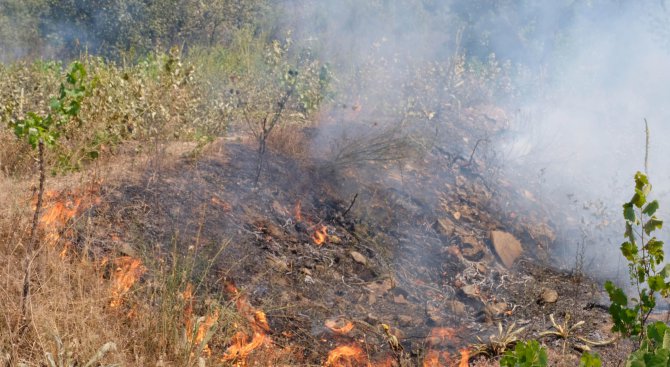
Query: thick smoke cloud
591, 72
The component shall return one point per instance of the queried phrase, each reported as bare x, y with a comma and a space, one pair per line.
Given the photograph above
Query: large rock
507, 247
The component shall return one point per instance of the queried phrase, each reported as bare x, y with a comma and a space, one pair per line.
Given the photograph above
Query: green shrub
644, 254
525, 354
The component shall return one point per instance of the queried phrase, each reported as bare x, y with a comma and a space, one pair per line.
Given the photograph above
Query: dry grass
70, 311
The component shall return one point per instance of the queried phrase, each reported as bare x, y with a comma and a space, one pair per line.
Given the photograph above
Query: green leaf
652, 224
656, 282
655, 249
639, 199
641, 180
590, 360
629, 213
651, 208
629, 250
616, 294
656, 332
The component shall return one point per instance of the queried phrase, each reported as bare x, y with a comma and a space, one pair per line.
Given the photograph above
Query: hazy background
576, 77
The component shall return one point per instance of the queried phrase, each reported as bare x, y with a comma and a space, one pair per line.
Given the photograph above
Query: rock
507, 247
358, 257
400, 299
548, 295
456, 307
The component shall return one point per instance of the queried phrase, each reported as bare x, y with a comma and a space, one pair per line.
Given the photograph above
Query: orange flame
437, 359
298, 211
465, 358
339, 326
61, 207
241, 347
127, 271
320, 235
346, 356
195, 335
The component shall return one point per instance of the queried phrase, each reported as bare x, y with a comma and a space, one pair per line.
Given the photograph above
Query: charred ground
404, 244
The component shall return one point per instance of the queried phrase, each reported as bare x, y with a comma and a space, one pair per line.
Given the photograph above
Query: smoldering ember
334, 183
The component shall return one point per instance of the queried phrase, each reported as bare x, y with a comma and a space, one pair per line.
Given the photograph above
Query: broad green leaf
639, 199
652, 224
656, 332
590, 360
655, 248
651, 208
616, 294
656, 282
640, 180
629, 212
629, 250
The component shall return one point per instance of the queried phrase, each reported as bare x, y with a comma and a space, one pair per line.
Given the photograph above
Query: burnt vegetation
303, 183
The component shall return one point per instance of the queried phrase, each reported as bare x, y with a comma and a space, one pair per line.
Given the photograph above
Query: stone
506, 246
456, 307
358, 257
548, 295
400, 299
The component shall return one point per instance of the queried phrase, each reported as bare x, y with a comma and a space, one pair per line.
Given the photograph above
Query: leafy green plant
590, 360
644, 254
525, 354
42, 131
655, 348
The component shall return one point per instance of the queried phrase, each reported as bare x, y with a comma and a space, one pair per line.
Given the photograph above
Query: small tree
42, 131
644, 254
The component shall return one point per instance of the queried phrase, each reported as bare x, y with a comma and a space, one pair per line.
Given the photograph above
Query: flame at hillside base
320, 235
127, 271
196, 331
346, 356
60, 207
297, 211
242, 344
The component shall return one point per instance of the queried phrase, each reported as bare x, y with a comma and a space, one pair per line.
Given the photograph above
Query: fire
432, 359
465, 357
298, 211
241, 346
320, 235
60, 208
339, 326
127, 271
346, 356
196, 334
